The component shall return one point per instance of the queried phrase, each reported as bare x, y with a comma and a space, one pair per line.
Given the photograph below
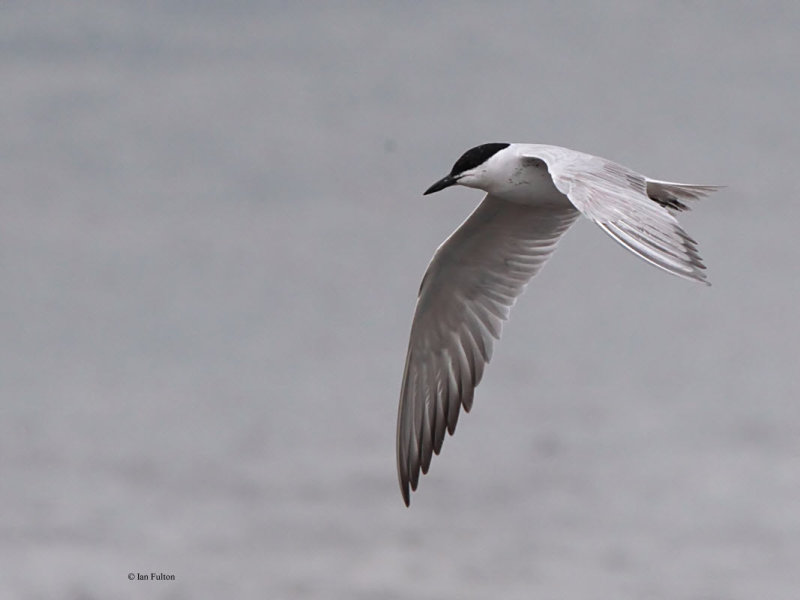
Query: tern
534, 193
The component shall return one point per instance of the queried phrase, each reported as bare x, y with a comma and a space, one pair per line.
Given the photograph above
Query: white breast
524, 181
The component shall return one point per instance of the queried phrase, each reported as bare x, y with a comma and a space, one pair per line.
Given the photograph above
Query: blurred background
211, 237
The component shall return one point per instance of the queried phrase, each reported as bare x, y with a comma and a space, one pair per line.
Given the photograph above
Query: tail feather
672, 195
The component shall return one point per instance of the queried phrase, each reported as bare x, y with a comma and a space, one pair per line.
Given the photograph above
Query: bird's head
471, 170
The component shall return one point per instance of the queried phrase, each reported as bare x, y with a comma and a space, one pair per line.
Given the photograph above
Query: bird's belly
532, 186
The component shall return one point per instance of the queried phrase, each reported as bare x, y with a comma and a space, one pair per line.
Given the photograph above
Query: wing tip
671, 195
406, 495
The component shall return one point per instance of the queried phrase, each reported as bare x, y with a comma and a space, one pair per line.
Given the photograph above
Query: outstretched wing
633, 210
467, 292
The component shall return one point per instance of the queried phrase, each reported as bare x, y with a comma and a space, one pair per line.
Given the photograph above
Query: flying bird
534, 193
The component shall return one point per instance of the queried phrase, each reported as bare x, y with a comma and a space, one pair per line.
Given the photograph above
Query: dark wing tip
670, 202
406, 493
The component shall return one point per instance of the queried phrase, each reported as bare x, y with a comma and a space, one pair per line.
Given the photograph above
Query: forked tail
673, 195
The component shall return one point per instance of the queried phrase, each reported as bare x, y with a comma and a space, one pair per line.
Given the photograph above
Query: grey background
211, 236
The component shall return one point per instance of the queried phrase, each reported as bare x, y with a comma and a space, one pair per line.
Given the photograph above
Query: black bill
444, 182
